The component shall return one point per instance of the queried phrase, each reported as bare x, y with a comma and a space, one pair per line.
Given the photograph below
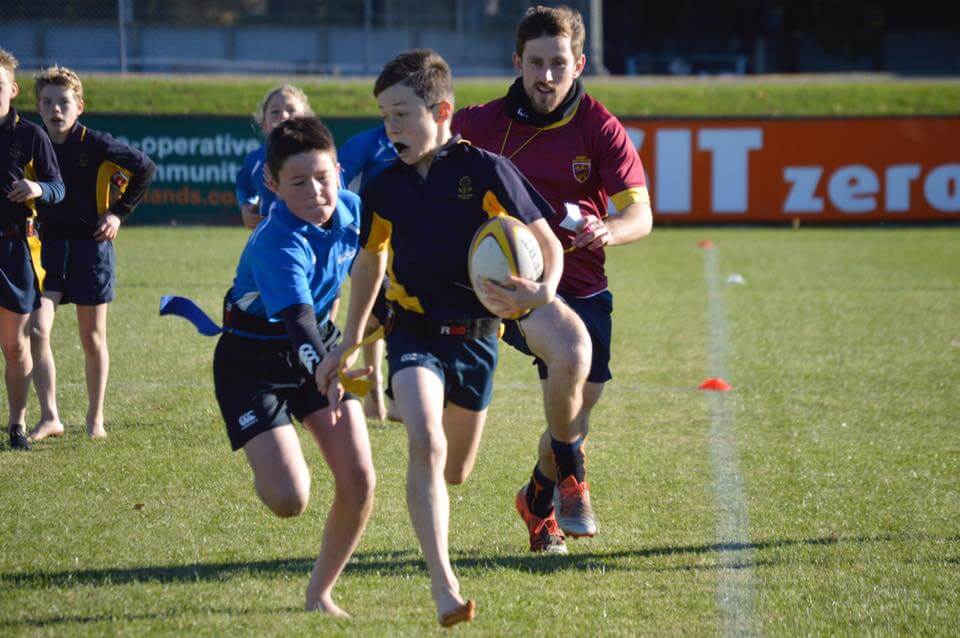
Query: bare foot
451, 608
392, 413
327, 607
373, 407
95, 430
45, 428
461, 613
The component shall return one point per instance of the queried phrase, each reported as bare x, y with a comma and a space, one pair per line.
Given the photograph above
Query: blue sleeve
280, 270
246, 190
353, 156
517, 194
47, 171
52, 192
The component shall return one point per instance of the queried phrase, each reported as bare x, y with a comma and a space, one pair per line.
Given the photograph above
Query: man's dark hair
294, 136
552, 21
423, 70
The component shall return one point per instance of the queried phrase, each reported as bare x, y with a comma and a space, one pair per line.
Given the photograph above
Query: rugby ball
501, 247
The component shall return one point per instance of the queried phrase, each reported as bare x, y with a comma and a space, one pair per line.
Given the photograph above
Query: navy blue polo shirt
100, 173
25, 153
427, 224
288, 261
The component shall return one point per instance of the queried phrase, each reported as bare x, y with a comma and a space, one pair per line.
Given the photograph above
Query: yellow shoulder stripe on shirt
631, 196
112, 181
379, 240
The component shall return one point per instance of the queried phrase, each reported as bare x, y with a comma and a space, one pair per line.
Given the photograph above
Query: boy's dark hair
294, 136
423, 70
552, 21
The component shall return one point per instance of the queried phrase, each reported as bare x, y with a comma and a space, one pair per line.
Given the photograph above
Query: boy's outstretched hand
107, 228
327, 375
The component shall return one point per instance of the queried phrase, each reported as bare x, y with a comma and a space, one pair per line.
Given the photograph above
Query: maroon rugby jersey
577, 163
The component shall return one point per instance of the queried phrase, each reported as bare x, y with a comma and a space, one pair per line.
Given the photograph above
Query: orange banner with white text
813, 170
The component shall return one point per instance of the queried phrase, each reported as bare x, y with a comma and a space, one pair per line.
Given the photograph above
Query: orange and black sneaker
574, 512
545, 534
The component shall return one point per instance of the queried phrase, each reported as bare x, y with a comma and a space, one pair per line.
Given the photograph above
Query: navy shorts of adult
260, 385
19, 281
595, 312
464, 364
82, 270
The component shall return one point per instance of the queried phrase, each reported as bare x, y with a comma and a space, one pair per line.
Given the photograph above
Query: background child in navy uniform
105, 181
28, 172
253, 196
276, 330
363, 157
442, 350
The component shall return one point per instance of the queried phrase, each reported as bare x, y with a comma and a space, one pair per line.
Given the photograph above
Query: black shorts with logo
260, 385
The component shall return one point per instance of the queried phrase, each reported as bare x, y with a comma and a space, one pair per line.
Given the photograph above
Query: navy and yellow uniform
426, 226
101, 174
25, 153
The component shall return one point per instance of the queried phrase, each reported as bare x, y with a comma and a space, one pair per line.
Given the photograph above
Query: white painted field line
735, 587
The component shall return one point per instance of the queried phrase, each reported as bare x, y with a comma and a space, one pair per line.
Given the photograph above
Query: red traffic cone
716, 384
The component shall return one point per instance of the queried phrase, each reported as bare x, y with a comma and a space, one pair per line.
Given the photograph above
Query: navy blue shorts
260, 385
596, 313
83, 270
381, 307
19, 283
465, 366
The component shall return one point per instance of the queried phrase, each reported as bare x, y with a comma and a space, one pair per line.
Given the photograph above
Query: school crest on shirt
83, 160
15, 151
465, 188
581, 168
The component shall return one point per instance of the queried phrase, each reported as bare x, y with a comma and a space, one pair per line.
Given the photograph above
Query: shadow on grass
402, 562
55, 621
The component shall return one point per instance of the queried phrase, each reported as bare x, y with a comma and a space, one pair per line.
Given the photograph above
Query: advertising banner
812, 170
714, 170
197, 160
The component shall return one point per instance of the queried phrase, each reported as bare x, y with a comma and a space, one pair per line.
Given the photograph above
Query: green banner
197, 160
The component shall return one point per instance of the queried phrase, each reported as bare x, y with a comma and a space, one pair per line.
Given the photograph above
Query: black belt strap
458, 328
21, 229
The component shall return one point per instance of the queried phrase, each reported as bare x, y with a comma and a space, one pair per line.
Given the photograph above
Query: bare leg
18, 364
92, 323
374, 405
419, 396
463, 429
346, 448
280, 474
44, 368
591, 396
557, 335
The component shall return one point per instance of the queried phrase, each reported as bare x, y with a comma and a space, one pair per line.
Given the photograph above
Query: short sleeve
280, 270
620, 169
375, 230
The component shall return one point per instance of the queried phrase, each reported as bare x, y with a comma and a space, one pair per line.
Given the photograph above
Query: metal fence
282, 36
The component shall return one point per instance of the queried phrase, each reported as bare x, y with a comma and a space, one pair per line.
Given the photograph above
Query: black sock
570, 459
540, 494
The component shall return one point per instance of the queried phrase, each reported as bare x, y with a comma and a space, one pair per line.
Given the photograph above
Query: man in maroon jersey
579, 157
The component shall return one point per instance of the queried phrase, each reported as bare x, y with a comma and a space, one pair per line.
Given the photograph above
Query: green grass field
843, 347
624, 96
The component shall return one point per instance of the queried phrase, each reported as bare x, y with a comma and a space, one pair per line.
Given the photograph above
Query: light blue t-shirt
288, 261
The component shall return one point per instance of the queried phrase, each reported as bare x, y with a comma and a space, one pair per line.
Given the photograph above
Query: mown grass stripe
735, 576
